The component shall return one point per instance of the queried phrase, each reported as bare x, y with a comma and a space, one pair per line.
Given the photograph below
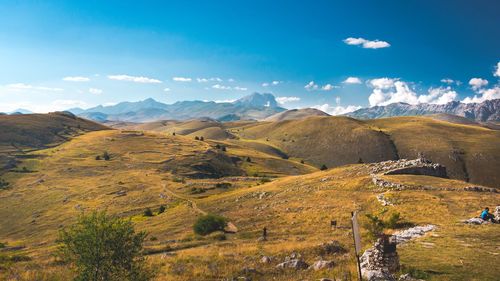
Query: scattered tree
302, 162
202, 138
217, 146
102, 247
360, 161
173, 134
323, 167
3, 184
161, 209
224, 149
98, 157
209, 223
249, 160
196, 138
148, 212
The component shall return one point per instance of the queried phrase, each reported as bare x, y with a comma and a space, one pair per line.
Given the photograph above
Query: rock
496, 213
266, 259
293, 264
378, 275
121, 193
231, 228
322, 264
381, 198
412, 233
407, 277
331, 247
476, 221
293, 256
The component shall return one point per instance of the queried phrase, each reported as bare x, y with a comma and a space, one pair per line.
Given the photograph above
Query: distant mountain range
487, 111
255, 106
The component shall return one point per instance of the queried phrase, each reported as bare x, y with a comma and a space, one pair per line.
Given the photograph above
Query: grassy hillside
469, 153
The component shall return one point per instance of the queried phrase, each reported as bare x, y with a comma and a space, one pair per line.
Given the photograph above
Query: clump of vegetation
179, 179
106, 156
161, 210
224, 185
249, 160
264, 180
173, 134
360, 161
196, 190
376, 225
3, 184
302, 162
217, 236
207, 224
196, 138
98, 157
323, 167
2, 245
415, 273
102, 247
148, 212
202, 138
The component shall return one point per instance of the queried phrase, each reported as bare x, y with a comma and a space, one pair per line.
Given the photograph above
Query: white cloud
182, 79
484, 94
478, 83
497, 71
438, 96
222, 87
311, 86
204, 80
367, 44
352, 80
272, 83
136, 79
95, 91
225, 101
76, 79
167, 89
447, 81
336, 110
389, 90
328, 87
283, 100
22, 86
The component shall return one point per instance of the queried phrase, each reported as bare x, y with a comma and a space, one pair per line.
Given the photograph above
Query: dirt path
191, 202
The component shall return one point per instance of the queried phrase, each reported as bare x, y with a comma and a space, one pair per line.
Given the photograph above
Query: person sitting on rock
485, 215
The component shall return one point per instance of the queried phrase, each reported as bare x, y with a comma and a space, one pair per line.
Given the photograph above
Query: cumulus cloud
311, 86
22, 86
390, 90
76, 79
95, 91
283, 100
352, 80
204, 80
447, 81
478, 83
484, 95
367, 44
223, 87
438, 96
336, 110
182, 79
167, 90
328, 87
272, 83
136, 79
497, 71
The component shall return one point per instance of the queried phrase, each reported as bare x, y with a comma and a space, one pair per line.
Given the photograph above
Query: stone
412, 233
496, 213
408, 277
296, 264
322, 264
476, 221
266, 259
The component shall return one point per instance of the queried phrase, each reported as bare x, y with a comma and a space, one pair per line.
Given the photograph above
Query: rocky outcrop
398, 186
296, 264
476, 221
418, 166
497, 213
412, 233
322, 264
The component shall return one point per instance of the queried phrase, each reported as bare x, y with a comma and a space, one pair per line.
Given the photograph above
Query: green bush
374, 225
3, 184
106, 156
224, 185
102, 247
148, 212
195, 190
161, 209
209, 223
393, 220
323, 167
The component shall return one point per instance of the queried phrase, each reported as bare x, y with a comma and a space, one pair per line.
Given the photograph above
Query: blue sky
60, 54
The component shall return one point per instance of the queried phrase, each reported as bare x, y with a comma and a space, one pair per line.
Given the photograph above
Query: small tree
148, 212
360, 161
196, 138
98, 157
202, 138
106, 156
161, 209
209, 223
249, 160
173, 134
323, 167
217, 146
102, 247
302, 162
224, 149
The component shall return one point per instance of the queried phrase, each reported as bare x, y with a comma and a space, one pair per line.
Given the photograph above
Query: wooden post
360, 278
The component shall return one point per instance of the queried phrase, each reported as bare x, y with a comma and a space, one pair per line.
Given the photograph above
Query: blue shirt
484, 214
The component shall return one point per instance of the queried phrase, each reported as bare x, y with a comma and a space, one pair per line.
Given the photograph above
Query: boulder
266, 259
408, 277
496, 213
296, 264
476, 221
322, 264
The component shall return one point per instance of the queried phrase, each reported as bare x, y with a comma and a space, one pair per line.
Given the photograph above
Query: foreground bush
101, 247
209, 223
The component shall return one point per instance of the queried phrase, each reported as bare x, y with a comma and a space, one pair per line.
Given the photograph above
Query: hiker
485, 215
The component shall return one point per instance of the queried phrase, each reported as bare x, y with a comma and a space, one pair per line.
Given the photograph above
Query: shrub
179, 179
224, 185
209, 223
98, 157
106, 156
323, 167
264, 180
102, 247
217, 236
148, 212
217, 146
393, 220
195, 190
2, 245
224, 149
302, 162
173, 134
202, 138
374, 225
3, 184
248, 159
161, 209
360, 161
196, 138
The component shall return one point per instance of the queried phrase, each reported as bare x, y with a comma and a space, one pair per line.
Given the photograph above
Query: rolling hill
294, 114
